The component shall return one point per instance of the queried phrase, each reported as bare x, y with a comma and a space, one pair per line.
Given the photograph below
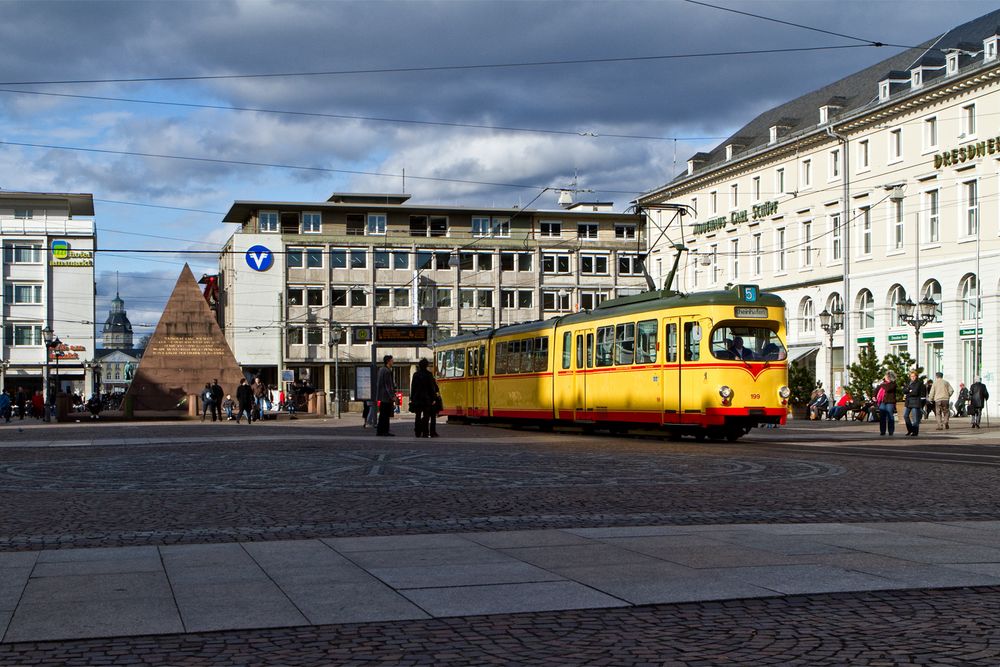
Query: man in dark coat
244, 399
385, 394
423, 396
977, 400
217, 396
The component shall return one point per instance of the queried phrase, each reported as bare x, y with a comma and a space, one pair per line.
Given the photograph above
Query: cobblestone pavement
309, 479
930, 627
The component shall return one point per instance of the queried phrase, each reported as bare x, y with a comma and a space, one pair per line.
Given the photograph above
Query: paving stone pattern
301, 480
897, 628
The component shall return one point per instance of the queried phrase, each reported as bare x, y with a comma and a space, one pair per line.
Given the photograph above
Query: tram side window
527, 355
439, 366
625, 344
605, 346
671, 344
567, 352
482, 360
500, 358
459, 363
579, 351
645, 352
473, 363
542, 355
590, 350
692, 341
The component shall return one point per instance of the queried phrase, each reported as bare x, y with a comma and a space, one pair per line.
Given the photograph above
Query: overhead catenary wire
440, 68
375, 119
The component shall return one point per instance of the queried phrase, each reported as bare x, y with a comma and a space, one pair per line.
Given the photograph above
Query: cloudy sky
348, 123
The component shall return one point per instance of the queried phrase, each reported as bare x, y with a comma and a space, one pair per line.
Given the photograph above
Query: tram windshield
747, 344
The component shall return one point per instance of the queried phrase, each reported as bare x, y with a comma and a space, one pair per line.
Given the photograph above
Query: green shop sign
895, 337
933, 334
968, 332
867, 339
757, 212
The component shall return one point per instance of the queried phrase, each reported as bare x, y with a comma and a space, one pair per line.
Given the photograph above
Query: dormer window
773, 135
729, 152
916, 78
990, 48
825, 112
696, 161
883, 91
951, 63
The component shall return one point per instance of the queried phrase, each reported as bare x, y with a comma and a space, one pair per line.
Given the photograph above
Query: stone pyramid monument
187, 350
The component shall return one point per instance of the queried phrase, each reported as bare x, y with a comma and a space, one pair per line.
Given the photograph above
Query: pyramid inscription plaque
187, 350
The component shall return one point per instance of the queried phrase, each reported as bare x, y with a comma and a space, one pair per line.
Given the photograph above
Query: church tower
117, 332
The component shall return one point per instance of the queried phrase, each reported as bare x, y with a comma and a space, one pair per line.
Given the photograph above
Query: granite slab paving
107, 592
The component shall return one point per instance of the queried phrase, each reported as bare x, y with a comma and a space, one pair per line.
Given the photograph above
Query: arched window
807, 316
972, 305
835, 303
896, 294
932, 290
866, 310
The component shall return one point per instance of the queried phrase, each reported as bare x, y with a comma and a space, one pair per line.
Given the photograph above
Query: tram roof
638, 303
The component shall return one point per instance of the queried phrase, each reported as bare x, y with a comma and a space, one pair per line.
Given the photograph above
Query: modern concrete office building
294, 272
875, 189
48, 286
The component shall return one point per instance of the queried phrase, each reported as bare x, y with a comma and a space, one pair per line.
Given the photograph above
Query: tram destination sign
410, 335
753, 312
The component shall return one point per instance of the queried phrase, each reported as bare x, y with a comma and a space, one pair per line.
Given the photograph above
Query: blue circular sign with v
260, 258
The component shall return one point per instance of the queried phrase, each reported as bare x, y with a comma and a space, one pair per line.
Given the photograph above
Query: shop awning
796, 353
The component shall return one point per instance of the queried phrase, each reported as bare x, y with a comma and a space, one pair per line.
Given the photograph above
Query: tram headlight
784, 392
725, 392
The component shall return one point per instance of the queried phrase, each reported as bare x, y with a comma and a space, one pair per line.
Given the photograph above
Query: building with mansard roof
880, 188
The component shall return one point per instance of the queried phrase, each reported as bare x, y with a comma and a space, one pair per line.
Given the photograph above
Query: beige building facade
881, 187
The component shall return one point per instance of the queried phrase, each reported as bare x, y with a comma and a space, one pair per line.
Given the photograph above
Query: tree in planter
865, 373
901, 364
801, 382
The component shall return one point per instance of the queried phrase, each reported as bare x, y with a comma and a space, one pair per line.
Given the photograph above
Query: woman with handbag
886, 399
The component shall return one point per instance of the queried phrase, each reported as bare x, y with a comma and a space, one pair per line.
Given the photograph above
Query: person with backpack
207, 402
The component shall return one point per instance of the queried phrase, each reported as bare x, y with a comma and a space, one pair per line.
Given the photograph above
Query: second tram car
708, 364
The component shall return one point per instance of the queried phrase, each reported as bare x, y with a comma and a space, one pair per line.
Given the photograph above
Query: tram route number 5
748, 293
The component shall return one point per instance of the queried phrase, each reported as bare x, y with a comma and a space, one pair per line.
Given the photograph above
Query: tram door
692, 378
477, 384
583, 359
671, 371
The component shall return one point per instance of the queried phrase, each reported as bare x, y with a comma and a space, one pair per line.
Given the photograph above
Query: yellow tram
710, 363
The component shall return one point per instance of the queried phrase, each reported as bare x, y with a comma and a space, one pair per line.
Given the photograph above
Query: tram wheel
734, 434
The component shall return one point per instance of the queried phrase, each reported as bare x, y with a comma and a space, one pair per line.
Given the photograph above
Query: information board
401, 334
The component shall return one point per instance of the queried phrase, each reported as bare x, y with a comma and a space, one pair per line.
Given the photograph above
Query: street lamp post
916, 315
4, 365
52, 344
336, 333
831, 324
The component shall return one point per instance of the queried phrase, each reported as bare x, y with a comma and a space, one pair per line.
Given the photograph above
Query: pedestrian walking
21, 401
886, 399
914, 394
38, 405
217, 397
928, 404
977, 401
6, 405
260, 397
423, 396
385, 394
207, 402
962, 401
244, 400
940, 395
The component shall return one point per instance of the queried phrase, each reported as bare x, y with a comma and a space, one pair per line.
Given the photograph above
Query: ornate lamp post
831, 324
916, 315
4, 365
